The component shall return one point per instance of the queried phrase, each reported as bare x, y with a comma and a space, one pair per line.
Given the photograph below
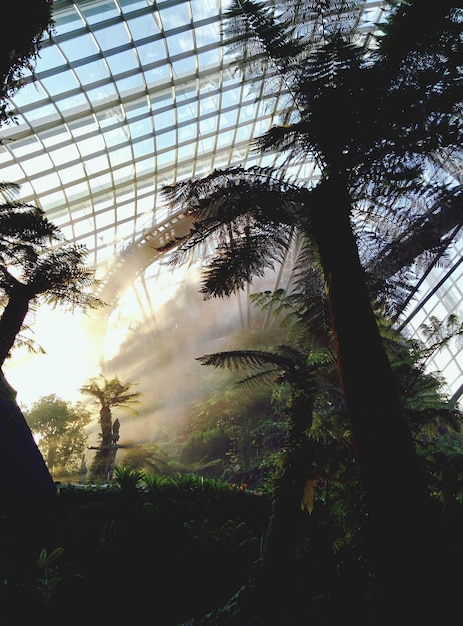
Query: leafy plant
49, 575
155, 482
127, 479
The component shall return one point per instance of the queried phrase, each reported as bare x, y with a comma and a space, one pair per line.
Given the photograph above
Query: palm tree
315, 394
283, 366
373, 120
32, 271
110, 394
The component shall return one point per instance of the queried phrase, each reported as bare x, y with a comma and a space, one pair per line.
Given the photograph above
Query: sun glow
70, 358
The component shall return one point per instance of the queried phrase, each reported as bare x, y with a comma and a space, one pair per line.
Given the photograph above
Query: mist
150, 337
162, 364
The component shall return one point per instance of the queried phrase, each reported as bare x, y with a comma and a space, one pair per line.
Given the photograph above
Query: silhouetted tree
284, 366
36, 266
111, 393
372, 120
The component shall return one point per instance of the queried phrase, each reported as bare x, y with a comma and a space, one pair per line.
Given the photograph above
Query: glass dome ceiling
130, 95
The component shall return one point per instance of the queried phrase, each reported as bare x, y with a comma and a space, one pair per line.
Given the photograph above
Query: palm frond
249, 215
237, 359
111, 392
242, 258
61, 277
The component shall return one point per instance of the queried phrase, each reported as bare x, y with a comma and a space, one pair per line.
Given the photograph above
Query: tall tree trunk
12, 319
286, 527
24, 476
101, 464
399, 507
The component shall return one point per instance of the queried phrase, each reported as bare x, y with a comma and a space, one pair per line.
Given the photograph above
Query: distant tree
28, 20
59, 427
110, 393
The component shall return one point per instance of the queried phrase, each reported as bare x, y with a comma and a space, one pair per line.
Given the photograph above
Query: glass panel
207, 104
67, 21
186, 152
173, 17
122, 62
66, 154
130, 84
224, 139
96, 12
112, 36
77, 192
47, 182
27, 95
50, 58
208, 59
88, 242
165, 159
79, 47
124, 230
166, 140
92, 73
206, 35
141, 127
96, 164
186, 112
151, 52
73, 173
158, 76
180, 43
55, 136
142, 27
116, 137
101, 182
77, 101
125, 211
133, 5
124, 174
188, 132
60, 83
82, 126
164, 120
145, 166
41, 112
25, 148
104, 219
207, 125
143, 148
37, 164
185, 66
91, 145
52, 200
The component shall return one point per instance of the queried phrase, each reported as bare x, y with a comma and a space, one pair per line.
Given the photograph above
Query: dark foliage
171, 553
179, 551
25, 24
